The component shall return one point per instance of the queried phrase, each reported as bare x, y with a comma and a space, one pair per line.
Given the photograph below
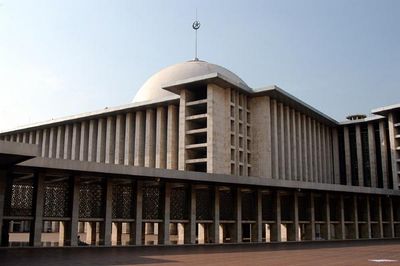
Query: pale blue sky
60, 58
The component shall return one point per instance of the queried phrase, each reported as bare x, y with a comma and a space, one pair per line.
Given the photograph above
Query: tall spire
196, 26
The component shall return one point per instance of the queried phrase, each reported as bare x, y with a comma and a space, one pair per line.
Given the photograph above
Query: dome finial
196, 26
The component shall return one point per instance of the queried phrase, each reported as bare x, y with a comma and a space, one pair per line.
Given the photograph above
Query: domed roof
152, 88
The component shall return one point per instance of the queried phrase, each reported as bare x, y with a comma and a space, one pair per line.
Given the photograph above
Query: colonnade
203, 213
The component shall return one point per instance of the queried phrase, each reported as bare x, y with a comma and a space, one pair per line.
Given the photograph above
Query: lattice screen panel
123, 205
227, 207
57, 199
151, 202
179, 203
204, 200
91, 200
20, 203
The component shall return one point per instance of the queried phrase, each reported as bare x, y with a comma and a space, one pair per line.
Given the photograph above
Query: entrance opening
16, 232
89, 233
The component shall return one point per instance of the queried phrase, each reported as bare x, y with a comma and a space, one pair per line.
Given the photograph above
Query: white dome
152, 88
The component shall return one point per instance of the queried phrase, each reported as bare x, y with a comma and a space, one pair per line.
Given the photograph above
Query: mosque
200, 157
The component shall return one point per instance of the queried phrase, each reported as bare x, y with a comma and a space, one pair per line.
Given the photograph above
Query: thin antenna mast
196, 26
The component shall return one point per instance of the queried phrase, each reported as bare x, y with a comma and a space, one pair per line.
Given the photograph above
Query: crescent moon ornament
196, 25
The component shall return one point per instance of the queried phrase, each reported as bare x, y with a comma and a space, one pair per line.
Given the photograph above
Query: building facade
200, 157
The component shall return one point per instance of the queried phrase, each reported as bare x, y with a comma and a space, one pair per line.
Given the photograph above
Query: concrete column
215, 226
52, 142
312, 216
45, 142
380, 219
359, 156
129, 139
107, 224
368, 217
238, 215
88, 229
261, 136
281, 142
296, 216
384, 157
310, 142
324, 157
181, 233
355, 216
347, 155
320, 152
76, 133
84, 142
60, 142
139, 138
3, 189
138, 215
101, 140
150, 140
342, 224
274, 140
299, 142
304, 144
276, 228
72, 230
92, 145
372, 155
31, 137
24, 137
110, 140
163, 233
161, 137
336, 160
120, 139
287, 144
392, 142
190, 228
293, 141
329, 162
391, 217
35, 238
67, 142
315, 151
328, 217
172, 137
182, 130
257, 235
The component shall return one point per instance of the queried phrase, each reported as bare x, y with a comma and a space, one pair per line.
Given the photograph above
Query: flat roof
386, 109
295, 102
94, 114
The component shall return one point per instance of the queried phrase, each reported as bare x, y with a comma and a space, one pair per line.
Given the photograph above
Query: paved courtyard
339, 253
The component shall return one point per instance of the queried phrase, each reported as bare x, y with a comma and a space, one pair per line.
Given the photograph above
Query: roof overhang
107, 170
12, 153
365, 120
214, 78
386, 109
285, 97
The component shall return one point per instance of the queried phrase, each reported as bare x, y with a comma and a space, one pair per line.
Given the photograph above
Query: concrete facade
217, 162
